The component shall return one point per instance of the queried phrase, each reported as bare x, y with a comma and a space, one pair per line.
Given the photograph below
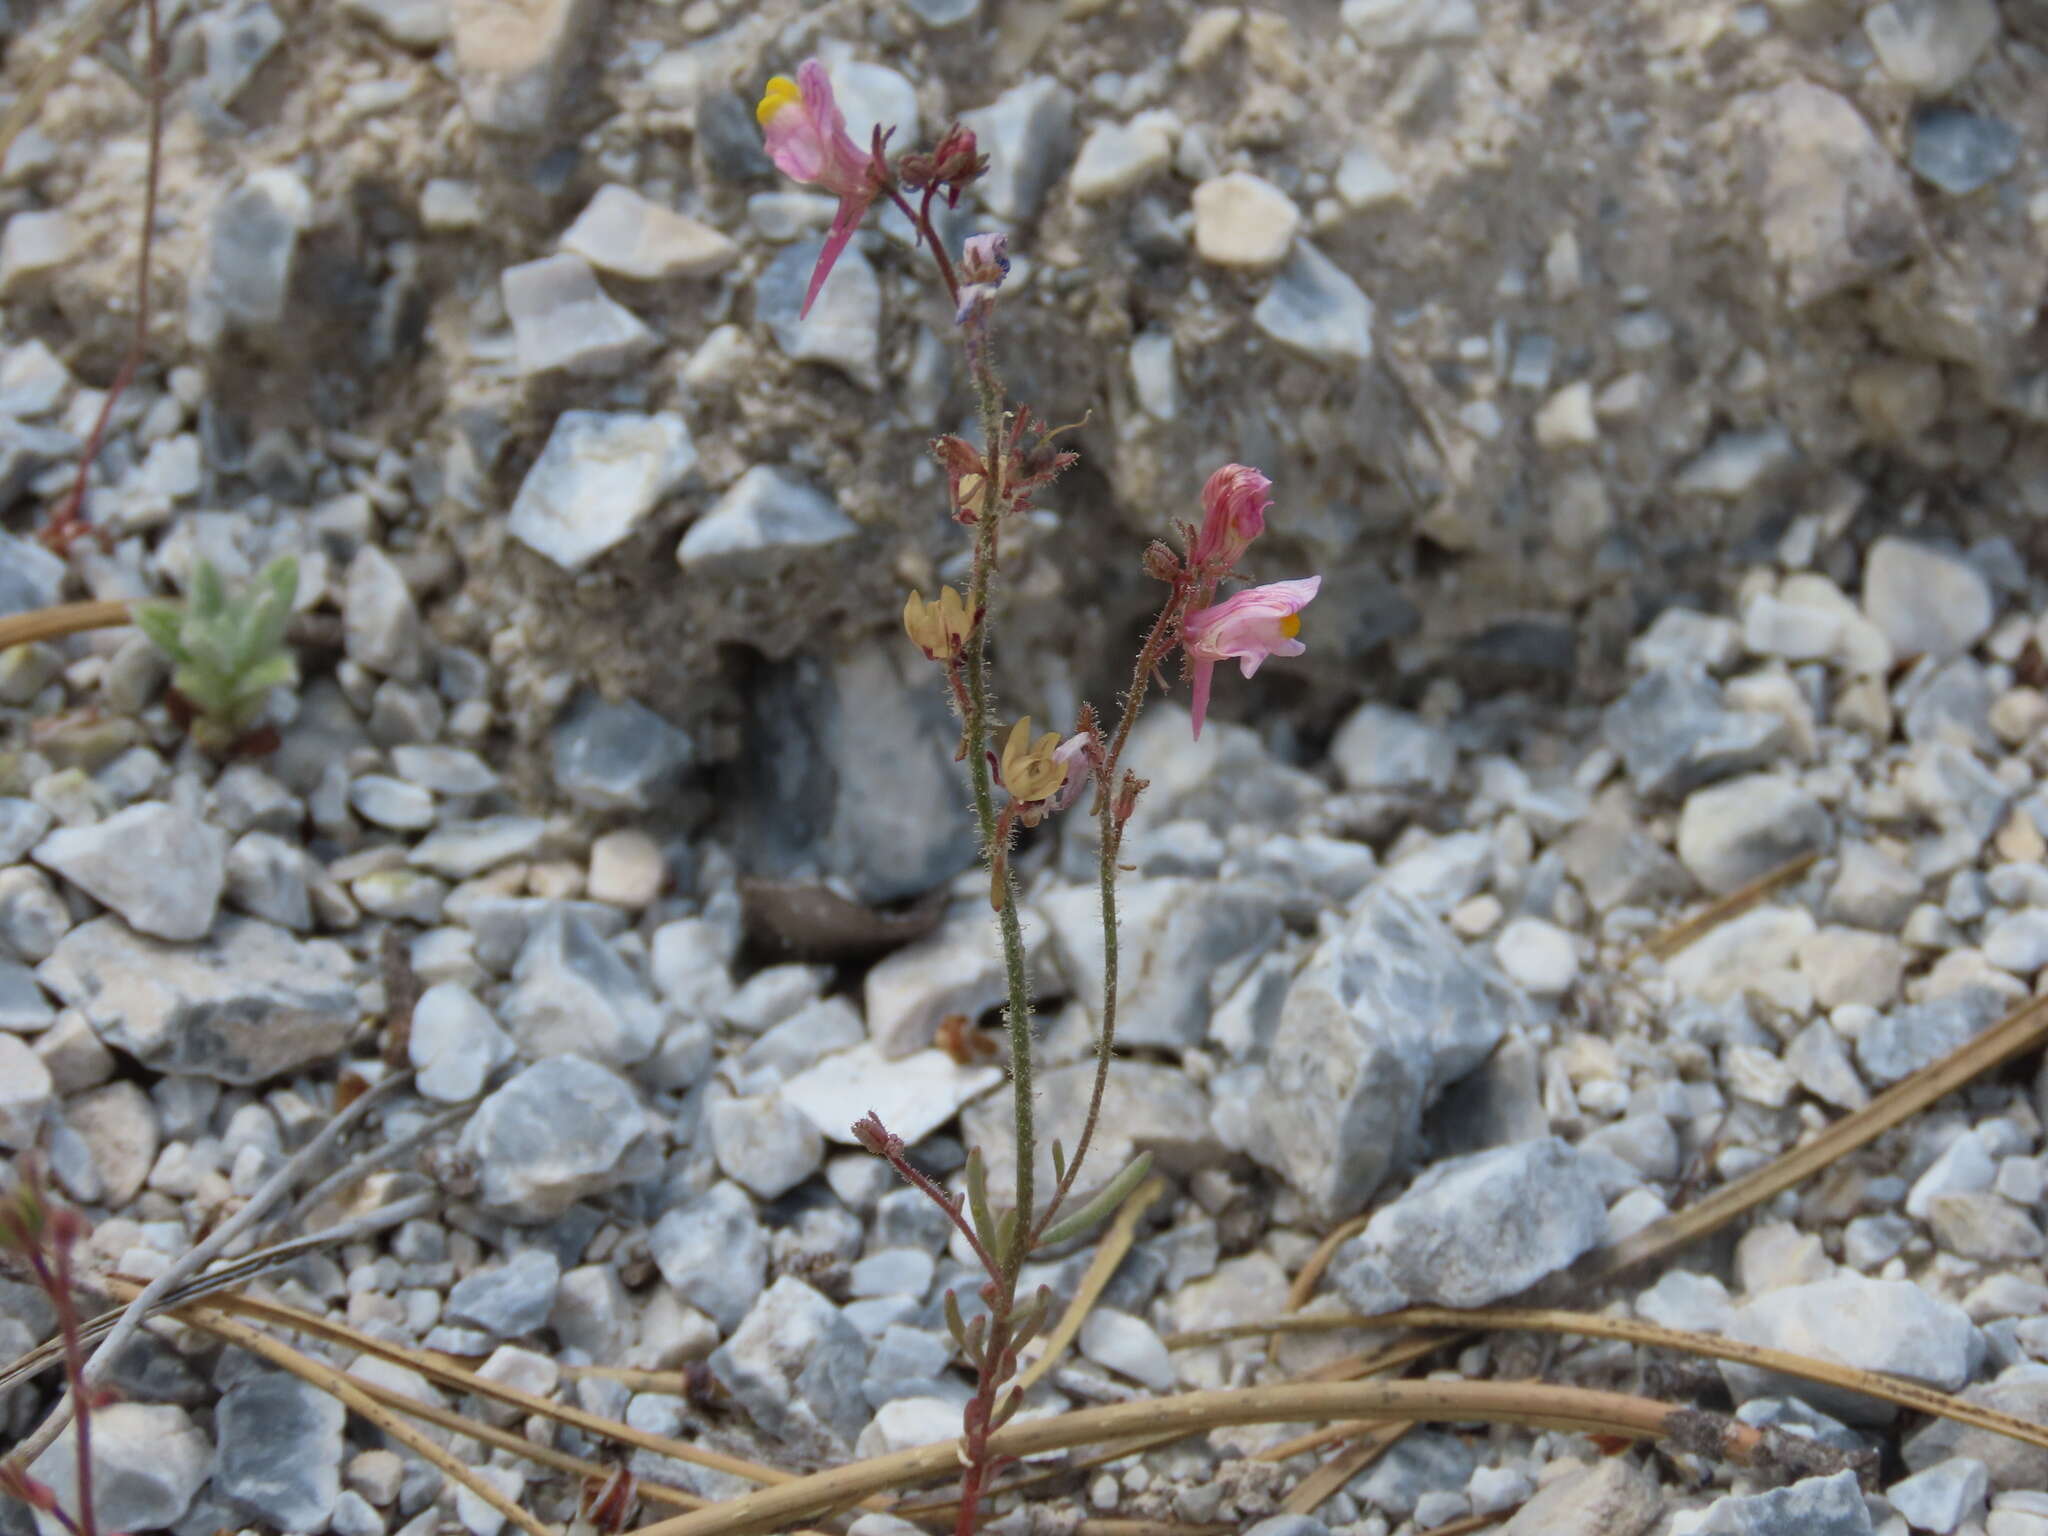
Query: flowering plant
1037, 775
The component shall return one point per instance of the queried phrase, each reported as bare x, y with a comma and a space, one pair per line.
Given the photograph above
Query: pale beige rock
1612, 1497
621, 232
626, 868
513, 58
1242, 220
1566, 419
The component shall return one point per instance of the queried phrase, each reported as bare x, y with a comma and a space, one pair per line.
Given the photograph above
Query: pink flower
805, 135
1258, 622
1234, 503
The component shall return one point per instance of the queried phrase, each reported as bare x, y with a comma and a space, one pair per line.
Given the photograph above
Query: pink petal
1203, 675
842, 230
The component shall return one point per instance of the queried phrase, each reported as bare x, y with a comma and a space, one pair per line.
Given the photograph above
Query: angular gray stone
514, 58
618, 757
562, 1129
766, 519
25, 1091
381, 623
795, 1365
1871, 889
2021, 1391
421, 24
1377, 748
1959, 151
509, 1299
1475, 1229
1732, 832
914, 1094
622, 232
1406, 23
561, 318
149, 1460
280, 1449
239, 37
248, 1004
714, 1253
244, 280
1617, 864
33, 917
1930, 46
1176, 937
454, 1044
1028, 135
851, 775
460, 849
595, 481
1922, 1339
1943, 1496
1674, 734
1927, 601
1314, 308
572, 992
1814, 1506
22, 825
1899, 1043
1386, 1013
266, 878
1613, 1497
843, 328
160, 867
765, 1144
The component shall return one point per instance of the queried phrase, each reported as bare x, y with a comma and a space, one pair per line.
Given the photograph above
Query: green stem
1017, 1016
1110, 832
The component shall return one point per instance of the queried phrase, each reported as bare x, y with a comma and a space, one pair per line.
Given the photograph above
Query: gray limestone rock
514, 58
149, 1461
1315, 308
562, 1129
850, 775
1930, 46
1386, 1013
843, 328
381, 622
622, 232
266, 878
1960, 152
714, 1253
280, 1450
252, 240
1730, 833
1674, 734
768, 518
454, 1044
765, 1144
1181, 940
511, 1299
618, 757
1923, 1339
1377, 748
795, 1364
249, 1003
1475, 1229
1028, 135
596, 480
160, 867
571, 992
562, 319
1927, 601
1815, 1506
1899, 1043
2021, 1391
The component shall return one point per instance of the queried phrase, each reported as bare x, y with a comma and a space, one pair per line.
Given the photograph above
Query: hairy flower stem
1110, 834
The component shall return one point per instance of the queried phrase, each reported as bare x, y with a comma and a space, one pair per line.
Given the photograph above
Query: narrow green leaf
977, 1199
1059, 1161
162, 622
281, 576
1006, 1236
206, 598
1117, 1191
955, 1325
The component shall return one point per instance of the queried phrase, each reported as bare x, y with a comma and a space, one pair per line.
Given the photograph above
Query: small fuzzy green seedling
227, 652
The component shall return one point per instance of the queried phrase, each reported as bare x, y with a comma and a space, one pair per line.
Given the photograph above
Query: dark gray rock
252, 241
618, 757
160, 867
1959, 151
279, 1452
1674, 734
1815, 1506
510, 1300
796, 1365
731, 139
562, 1129
849, 773
249, 1003
1901, 1042
714, 1252
1028, 135
1475, 1229
1386, 1013
571, 992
